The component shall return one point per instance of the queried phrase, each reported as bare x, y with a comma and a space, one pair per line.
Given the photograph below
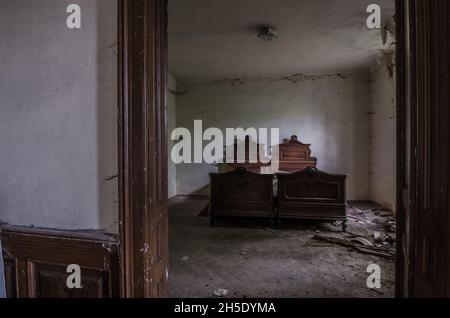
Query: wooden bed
246, 162
295, 156
302, 191
312, 194
241, 193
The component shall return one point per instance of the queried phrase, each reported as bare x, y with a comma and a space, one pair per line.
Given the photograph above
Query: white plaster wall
58, 115
383, 141
171, 117
330, 112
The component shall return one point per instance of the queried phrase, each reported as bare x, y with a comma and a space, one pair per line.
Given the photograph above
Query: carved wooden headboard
295, 156
253, 161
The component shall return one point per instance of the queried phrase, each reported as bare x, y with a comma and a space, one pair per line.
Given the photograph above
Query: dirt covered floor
248, 259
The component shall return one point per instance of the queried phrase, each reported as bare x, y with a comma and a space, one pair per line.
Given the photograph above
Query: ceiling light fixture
267, 33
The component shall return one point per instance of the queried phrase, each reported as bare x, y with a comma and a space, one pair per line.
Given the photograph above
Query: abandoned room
317, 73
224, 149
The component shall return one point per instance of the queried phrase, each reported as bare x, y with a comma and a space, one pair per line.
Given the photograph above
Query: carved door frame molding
423, 130
142, 129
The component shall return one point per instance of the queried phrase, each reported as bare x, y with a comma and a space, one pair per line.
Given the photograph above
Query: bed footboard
312, 194
241, 193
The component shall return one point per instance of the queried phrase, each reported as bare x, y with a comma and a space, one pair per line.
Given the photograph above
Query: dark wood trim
447, 282
142, 154
406, 143
36, 261
401, 141
122, 90
432, 134
423, 150
409, 196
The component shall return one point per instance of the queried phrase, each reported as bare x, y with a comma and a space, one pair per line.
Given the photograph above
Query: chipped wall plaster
383, 132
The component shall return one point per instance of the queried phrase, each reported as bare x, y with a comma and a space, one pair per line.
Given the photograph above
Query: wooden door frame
410, 95
426, 104
406, 193
133, 138
400, 145
142, 55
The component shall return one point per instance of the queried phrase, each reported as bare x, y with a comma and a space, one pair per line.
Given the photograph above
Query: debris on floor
185, 258
363, 207
361, 248
362, 241
384, 213
377, 237
220, 292
371, 231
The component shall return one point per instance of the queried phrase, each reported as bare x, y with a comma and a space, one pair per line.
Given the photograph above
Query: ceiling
215, 39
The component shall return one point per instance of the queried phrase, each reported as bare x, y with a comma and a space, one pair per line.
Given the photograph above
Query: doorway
144, 226
308, 72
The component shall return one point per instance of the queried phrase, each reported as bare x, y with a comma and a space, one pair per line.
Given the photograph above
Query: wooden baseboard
36, 261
